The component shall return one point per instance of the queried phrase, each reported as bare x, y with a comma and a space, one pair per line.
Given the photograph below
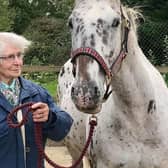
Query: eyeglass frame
12, 57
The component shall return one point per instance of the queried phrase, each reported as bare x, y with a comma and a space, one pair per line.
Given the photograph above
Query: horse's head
98, 41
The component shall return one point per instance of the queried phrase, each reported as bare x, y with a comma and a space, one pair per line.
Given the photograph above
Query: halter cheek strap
124, 49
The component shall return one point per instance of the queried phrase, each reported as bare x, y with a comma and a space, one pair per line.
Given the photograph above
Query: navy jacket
11, 145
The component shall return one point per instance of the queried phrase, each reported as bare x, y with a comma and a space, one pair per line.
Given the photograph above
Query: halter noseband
96, 56
93, 54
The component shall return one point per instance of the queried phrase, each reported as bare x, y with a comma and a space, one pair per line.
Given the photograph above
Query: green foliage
28, 10
6, 16
48, 80
152, 41
51, 41
23, 14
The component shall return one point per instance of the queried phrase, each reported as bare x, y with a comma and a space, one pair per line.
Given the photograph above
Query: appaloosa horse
109, 76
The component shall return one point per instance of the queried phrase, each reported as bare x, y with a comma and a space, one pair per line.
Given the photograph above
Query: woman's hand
40, 112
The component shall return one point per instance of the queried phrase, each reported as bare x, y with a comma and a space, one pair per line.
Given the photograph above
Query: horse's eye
70, 24
116, 22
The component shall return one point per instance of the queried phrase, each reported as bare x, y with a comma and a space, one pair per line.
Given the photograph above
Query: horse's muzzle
86, 96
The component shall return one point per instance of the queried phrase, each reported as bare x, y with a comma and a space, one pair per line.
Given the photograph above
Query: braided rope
38, 136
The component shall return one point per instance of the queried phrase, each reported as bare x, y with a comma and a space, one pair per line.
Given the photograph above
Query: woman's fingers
40, 112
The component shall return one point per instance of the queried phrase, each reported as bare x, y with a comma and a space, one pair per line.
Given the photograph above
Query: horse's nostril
96, 90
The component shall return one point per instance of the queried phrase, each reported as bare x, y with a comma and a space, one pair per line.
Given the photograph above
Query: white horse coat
132, 130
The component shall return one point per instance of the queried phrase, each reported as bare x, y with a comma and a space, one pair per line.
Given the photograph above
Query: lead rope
38, 135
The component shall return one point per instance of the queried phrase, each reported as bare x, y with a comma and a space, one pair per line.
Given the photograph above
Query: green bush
51, 42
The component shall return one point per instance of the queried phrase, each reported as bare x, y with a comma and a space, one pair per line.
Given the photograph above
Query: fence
37, 68
153, 39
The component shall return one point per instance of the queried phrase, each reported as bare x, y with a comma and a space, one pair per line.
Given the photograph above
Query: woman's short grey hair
15, 40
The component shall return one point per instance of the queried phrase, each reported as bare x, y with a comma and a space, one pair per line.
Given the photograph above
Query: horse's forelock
133, 15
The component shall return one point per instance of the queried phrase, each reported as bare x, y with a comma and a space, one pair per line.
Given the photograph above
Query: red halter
96, 56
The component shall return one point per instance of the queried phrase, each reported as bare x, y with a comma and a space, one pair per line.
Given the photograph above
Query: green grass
51, 86
44, 79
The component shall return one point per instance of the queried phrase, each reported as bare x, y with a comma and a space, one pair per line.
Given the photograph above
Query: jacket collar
5, 104
26, 90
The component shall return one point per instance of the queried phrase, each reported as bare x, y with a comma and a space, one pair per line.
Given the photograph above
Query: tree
51, 41
28, 10
6, 16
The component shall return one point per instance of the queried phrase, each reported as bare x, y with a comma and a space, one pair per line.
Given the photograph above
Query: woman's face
11, 62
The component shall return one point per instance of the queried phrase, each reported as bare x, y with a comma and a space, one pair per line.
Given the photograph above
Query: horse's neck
132, 85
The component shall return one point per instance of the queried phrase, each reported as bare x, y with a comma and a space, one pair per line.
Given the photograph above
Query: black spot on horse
105, 37
77, 19
98, 32
62, 71
77, 30
104, 40
81, 28
100, 22
151, 106
117, 125
96, 142
99, 26
105, 33
116, 22
120, 165
111, 53
93, 24
69, 70
92, 42
84, 41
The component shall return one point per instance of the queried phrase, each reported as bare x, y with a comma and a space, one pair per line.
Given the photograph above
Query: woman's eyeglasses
12, 57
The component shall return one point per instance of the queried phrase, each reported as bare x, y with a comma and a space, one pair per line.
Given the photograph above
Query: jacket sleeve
59, 122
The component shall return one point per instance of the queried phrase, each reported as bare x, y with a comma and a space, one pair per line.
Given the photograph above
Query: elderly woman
17, 146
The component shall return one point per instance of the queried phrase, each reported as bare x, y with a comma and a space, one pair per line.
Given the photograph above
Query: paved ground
61, 156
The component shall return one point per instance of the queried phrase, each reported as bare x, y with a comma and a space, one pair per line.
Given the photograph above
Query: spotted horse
109, 76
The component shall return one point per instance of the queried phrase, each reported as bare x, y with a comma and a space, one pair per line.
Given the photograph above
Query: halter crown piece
87, 51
